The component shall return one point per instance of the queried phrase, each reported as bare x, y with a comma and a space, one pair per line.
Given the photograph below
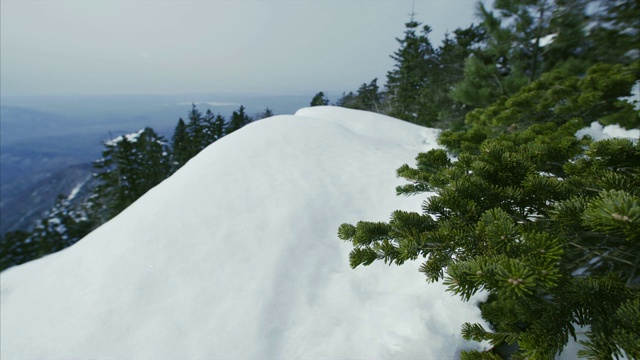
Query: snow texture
236, 257
598, 132
133, 137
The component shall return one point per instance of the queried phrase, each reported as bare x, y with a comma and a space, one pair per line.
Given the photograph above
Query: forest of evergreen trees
547, 223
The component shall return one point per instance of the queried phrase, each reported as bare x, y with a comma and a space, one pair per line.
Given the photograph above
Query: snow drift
236, 256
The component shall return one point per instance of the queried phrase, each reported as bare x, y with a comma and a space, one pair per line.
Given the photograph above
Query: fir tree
60, 227
267, 113
557, 97
447, 72
238, 120
545, 222
415, 61
16, 250
130, 166
616, 33
196, 131
368, 97
319, 99
180, 146
215, 127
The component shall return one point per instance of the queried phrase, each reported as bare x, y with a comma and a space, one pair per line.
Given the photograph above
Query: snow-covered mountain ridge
236, 256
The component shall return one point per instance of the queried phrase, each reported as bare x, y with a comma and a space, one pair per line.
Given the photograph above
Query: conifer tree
449, 71
557, 97
545, 222
15, 249
415, 61
130, 166
616, 33
368, 98
215, 127
267, 113
514, 54
60, 227
238, 120
180, 146
319, 99
196, 130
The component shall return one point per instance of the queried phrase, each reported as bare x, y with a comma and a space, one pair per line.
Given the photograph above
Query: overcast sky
168, 47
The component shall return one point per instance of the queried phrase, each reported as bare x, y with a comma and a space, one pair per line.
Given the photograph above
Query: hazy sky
164, 47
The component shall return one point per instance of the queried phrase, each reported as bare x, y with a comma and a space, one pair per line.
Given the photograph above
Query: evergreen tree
238, 120
368, 98
514, 54
545, 222
16, 250
130, 166
267, 113
215, 127
319, 99
180, 146
449, 71
60, 227
196, 130
415, 62
616, 33
557, 97
209, 131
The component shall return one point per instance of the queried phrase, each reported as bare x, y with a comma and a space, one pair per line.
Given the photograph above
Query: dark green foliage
415, 60
616, 33
130, 166
62, 226
558, 97
368, 98
238, 120
201, 131
451, 56
502, 226
419, 87
545, 222
180, 145
16, 250
319, 99
196, 129
213, 128
267, 113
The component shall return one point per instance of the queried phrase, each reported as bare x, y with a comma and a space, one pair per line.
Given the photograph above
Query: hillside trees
62, 226
414, 61
189, 139
180, 145
130, 166
545, 222
238, 120
368, 97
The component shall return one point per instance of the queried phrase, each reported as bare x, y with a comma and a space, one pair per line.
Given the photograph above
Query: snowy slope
236, 256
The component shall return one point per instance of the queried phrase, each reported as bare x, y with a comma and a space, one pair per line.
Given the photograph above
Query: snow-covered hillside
236, 256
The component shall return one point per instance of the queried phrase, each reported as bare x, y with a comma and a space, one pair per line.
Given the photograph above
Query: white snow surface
599, 132
236, 257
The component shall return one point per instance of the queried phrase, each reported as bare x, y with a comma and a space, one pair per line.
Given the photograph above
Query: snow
634, 97
599, 132
77, 188
236, 256
545, 40
133, 137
